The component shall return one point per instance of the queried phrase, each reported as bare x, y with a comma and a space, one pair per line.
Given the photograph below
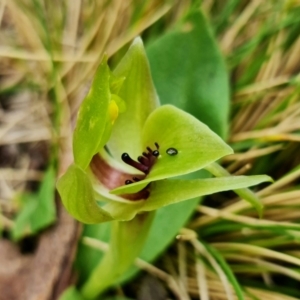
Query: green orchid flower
129, 154
166, 142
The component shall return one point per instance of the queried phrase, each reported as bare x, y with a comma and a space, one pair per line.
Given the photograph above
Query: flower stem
127, 241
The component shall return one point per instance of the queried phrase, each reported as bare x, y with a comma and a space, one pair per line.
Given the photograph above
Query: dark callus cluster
144, 163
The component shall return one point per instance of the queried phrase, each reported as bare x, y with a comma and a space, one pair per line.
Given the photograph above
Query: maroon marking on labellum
141, 195
106, 174
112, 178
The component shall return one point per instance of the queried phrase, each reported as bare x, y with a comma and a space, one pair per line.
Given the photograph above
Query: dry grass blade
253, 153
226, 284
271, 267
182, 267
239, 23
217, 213
201, 280
259, 251
267, 295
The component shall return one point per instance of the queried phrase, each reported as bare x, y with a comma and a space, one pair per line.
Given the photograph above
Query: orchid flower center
144, 163
111, 177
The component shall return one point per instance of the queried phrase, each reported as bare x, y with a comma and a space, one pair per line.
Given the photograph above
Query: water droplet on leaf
172, 151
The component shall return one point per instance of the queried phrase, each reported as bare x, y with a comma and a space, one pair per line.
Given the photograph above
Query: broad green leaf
77, 195
166, 192
140, 97
39, 210
196, 144
188, 71
92, 118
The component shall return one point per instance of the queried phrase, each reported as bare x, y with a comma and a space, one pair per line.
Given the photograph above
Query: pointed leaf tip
137, 41
138, 92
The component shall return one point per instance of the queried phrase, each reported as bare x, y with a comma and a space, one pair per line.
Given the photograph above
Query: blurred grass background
49, 52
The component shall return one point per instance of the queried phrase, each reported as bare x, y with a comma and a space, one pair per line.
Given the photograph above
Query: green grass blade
226, 269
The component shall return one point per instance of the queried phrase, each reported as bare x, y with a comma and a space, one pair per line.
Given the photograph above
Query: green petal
197, 145
77, 195
92, 118
173, 191
140, 97
166, 192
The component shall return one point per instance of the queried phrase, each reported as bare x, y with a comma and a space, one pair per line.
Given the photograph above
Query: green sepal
170, 127
77, 195
173, 191
140, 97
166, 192
92, 118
